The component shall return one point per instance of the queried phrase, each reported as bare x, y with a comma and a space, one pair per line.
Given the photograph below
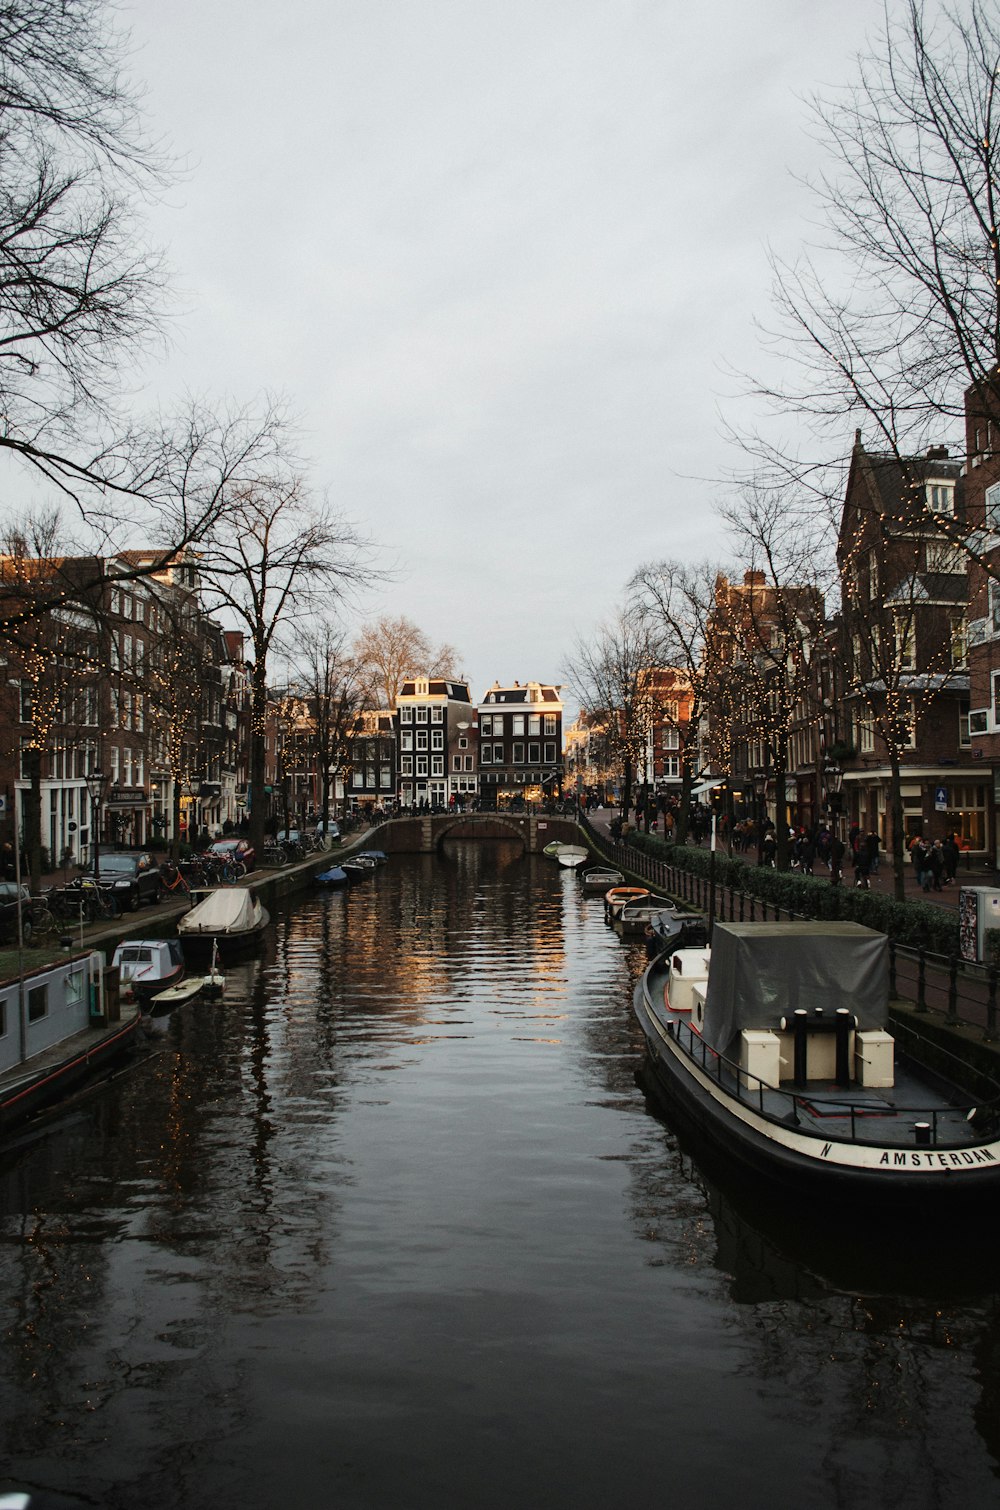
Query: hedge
918, 924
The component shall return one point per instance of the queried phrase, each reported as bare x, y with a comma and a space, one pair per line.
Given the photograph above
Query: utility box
873, 1059
978, 913
759, 1058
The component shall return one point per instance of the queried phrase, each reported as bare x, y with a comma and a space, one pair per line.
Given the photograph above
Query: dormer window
941, 497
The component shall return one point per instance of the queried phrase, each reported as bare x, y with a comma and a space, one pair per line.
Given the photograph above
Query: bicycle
273, 854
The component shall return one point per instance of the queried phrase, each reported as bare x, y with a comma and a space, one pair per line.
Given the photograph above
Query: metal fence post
952, 1015
991, 1006
892, 969
921, 981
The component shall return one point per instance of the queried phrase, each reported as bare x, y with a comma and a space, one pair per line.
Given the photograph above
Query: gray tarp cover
760, 972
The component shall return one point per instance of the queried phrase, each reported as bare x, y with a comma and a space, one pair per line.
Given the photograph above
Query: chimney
937, 453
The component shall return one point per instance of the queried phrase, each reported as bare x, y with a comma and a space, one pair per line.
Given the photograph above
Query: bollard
921, 981
922, 1133
952, 1015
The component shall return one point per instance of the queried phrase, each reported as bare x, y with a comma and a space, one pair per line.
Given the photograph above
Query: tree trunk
779, 767
32, 813
683, 816
626, 788
898, 849
175, 807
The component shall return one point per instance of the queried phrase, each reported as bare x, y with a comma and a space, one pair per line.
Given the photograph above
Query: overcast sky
497, 255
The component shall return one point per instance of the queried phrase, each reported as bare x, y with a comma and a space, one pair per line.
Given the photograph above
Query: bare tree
79, 290
897, 314
611, 676
273, 563
395, 648
336, 687
677, 601
762, 633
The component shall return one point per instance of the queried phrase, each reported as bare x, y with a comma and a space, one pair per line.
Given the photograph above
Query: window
535, 724
421, 715
406, 714
672, 766
550, 720
437, 715
486, 725
993, 507
456, 762
996, 699
421, 739
550, 754
498, 754
468, 762
671, 738
406, 765
517, 725
866, 734
964, 734
518, 753
941, 497
385, 776
406, 739
942, 556
421, 765
437, 765
463, 743
959, 640
534, 753
906, 641
437, 739
38, 1003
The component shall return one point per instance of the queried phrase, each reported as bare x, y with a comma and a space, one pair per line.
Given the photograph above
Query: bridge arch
482, 826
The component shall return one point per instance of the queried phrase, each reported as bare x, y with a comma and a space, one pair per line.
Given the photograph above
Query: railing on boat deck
925, 1124
964, 992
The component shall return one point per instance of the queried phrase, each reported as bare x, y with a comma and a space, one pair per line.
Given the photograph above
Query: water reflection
395, 1222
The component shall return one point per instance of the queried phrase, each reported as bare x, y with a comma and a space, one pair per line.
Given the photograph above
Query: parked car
329, 830
8, 912
234, 849
133, 878
288, 836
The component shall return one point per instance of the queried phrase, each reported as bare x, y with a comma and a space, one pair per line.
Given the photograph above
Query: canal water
396, 1225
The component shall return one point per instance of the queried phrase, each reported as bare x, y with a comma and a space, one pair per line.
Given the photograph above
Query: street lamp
833, 776
97, 785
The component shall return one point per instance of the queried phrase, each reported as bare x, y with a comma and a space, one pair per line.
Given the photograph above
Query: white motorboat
147, 967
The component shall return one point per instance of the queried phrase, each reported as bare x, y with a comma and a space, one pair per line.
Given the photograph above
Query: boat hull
97, 1052
788, 1157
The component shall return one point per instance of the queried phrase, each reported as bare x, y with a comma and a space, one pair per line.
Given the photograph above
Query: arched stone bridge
424, 833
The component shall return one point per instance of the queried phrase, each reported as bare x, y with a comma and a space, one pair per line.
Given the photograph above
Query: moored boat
633, 916
82, 1031
335, 876
176, 996
599, 880
774, 1045
358, 868
619, 897
231, 916
148, 966
572, 855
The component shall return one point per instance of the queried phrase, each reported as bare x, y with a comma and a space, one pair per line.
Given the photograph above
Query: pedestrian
837, 850
652, 942
935, 863
861, 865
770, 848
871, 843
951, 858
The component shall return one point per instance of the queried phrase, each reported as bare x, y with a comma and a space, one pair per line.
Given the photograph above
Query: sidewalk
968, 875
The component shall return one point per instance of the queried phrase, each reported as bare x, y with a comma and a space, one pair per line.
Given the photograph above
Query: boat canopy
762, 972
233, 910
